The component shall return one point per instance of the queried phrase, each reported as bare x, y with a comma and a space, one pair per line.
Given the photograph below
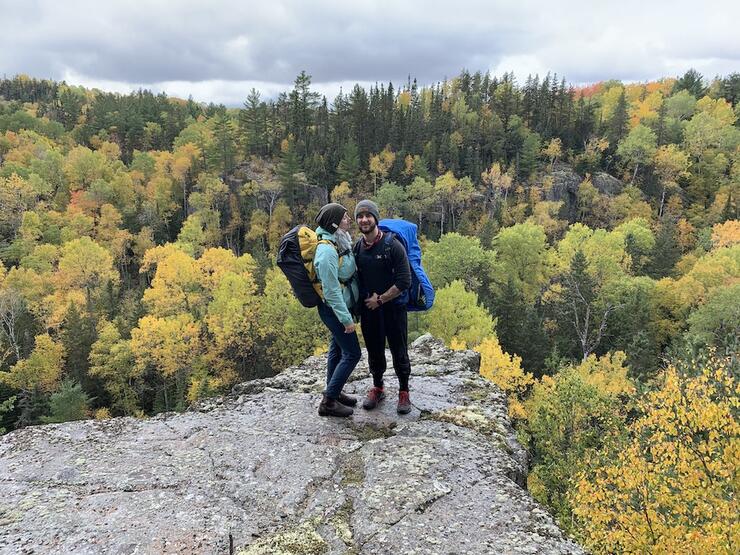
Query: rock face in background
261, 471
565, 188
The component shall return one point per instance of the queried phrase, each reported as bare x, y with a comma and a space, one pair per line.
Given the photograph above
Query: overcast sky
218, 50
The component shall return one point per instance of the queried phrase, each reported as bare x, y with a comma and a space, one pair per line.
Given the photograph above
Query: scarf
344, 240
377, 240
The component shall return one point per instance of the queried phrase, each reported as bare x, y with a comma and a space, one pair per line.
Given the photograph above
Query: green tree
458, 257
288, 170
67, 404
225, 144
290, 332
691, 81
77, 336
112, 361
527, 157
457, 317
638, 147
578, 307
392, 198
523, 259
617, 125
421, 197
569, 416
5, 407
666, 251
717, 322
348, 168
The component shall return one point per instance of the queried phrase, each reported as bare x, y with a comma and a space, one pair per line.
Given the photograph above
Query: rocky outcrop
607, 184
259, 472
564, 188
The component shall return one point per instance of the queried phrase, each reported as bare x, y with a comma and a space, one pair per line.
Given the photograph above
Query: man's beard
370, 228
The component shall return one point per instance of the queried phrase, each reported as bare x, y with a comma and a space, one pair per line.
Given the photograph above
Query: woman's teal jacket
338, 280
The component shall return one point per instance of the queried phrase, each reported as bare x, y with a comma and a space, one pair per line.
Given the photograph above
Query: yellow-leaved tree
202, 318
505, 371
42, 369
672, 487
168, 345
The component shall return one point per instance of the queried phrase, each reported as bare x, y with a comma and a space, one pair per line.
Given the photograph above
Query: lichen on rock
303, 540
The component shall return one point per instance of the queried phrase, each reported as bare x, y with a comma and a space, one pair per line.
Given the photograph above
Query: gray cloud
156, 42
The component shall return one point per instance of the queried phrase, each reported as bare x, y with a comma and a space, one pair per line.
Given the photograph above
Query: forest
584, 240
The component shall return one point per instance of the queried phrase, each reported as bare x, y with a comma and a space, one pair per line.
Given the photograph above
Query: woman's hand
349, 328
373, 302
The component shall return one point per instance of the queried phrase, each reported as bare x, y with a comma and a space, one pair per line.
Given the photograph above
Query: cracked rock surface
260, 470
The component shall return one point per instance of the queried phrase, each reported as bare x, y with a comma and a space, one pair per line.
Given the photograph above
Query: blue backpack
420, 296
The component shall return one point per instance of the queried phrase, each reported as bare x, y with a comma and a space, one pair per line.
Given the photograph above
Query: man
385, 275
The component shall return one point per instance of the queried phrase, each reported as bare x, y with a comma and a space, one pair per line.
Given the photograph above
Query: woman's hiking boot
374, 396
404, 403
347, 400
332, 407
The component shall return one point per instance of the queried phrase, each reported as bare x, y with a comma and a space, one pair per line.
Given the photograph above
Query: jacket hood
325, 234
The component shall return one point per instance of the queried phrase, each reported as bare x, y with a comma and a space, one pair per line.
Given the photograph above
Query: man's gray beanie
369, 207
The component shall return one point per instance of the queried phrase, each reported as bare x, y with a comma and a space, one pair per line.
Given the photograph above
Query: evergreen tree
617, 125
303, 103
252, 125
225, 146
349, 165
691, 81
667, 250
287, 171
77, 336
519, 327
729, 88
67, 404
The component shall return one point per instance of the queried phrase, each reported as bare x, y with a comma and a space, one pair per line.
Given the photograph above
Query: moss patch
369, 432
353, 470
302, 540
477, 394
340, 521
471, 417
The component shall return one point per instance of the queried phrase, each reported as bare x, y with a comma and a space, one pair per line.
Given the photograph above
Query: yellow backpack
295, 258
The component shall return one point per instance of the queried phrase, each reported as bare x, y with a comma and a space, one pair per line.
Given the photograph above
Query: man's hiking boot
374, 396
347, 400
332, 407
404, 403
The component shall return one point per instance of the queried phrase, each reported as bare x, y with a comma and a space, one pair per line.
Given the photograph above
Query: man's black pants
387, 322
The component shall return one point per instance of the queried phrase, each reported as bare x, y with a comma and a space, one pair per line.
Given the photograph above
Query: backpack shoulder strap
336, 248
327, 242
387, 242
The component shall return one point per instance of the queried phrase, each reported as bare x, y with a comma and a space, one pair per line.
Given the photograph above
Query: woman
336, 270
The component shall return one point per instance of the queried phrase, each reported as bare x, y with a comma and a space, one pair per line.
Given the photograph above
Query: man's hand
372, 302
349, 328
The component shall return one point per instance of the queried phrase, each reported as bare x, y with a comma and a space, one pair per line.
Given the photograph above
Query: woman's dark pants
344, 352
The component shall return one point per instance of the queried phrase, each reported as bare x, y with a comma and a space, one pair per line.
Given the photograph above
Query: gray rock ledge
260, 470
